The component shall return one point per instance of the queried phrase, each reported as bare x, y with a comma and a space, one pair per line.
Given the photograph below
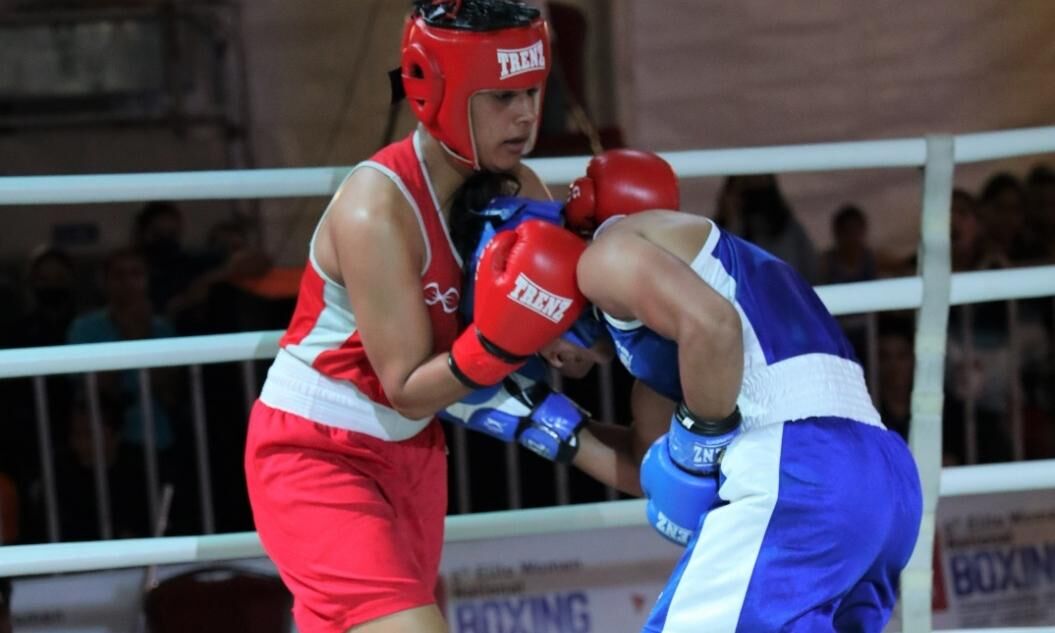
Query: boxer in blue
754, 438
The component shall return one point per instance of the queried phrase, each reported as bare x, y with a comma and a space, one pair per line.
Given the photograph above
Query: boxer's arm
523, 409
612, 453
628, 276
374, 247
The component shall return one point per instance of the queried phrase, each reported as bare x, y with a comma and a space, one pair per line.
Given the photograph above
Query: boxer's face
573, 361
503, 122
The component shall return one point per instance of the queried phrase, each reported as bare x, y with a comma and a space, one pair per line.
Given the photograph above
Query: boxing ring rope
323, 181
24, 560
841, 299
933, 292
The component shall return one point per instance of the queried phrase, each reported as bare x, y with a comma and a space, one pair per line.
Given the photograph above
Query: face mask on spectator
163, 246
53, 297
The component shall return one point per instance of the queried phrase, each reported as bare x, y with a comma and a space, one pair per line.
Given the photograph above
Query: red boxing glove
525, 296
620, 182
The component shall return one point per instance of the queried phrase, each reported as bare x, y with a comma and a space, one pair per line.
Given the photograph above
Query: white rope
24, 560
27, 560
323, 181
983, 479
852, 298
983, 146
184, 185
907, 292
165, 352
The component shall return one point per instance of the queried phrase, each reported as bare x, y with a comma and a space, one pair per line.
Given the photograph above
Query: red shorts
353, 523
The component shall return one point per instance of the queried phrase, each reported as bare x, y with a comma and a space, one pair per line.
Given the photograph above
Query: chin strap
395, 82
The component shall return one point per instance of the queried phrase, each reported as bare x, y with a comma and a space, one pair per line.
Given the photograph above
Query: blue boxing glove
679, 475
524, 410
677, 500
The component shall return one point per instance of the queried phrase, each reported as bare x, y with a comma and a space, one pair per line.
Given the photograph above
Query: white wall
714, 74
684, 74
319, 96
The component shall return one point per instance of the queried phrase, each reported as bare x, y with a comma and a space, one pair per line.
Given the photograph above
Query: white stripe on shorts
710, 594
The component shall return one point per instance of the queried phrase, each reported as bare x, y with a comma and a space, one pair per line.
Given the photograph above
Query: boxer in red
345, 461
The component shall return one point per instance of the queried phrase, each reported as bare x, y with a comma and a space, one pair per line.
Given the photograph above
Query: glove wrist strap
698, 445
500, 353
474, 362
702, 426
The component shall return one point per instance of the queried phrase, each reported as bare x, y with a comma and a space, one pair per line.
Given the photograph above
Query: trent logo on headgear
537, 299
518, 61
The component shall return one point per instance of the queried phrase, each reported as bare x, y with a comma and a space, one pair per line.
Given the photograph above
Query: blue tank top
781, 315
649, 357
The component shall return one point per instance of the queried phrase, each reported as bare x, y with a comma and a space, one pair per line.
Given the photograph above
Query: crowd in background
1000, 361
153, 287
157, 286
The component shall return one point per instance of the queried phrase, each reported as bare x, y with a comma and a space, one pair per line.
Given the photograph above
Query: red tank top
323, 331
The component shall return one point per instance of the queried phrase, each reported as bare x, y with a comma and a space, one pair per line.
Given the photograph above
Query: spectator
896, 376
1040, 192
128, 315
728, 205
975, 248
978, 370
1040, 209
75, 475
158, 235
10, 299
967, 387
215, 302
1017, 218
1004, 218
985, 236
52, 301
9, 511
755, 208
226, 238
1038, 421
896, 368
52, 304
850, 260
5, 606
180, 281
968, 248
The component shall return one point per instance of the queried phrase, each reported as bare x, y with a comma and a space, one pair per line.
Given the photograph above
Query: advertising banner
997, 560
994, 567
582, 582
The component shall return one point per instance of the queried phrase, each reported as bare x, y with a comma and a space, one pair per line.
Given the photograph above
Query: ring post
927, 388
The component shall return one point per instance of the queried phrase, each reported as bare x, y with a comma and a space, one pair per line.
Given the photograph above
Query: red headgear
443, 67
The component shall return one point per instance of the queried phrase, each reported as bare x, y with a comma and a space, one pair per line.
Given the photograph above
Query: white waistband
302, 390
807, 386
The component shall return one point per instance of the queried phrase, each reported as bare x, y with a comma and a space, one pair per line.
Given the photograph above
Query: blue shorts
821, 517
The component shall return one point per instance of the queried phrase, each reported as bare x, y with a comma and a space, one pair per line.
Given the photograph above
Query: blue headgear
508, 212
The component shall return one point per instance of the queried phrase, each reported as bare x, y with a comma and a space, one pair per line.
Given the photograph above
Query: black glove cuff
701, 426
498, 352
460, 375
568, 450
